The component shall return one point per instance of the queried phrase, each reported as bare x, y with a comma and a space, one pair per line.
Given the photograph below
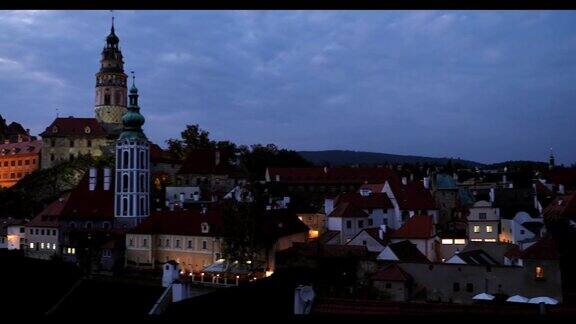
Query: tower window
125, 158
125, 182
71, 143
89, 143
107, 99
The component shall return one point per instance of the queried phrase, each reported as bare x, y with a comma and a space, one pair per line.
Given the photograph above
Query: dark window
488, 269
53, 142
21, 229
370, 222
54, 232
360, 223
430, 267
89, 143
364, 243
204, 246
469, 287
482, 215
348, 224
71, 157
107, 99
51, 157
19, 162
71, 143
13, 163
27, 162
388, 285
456, 286
189, 244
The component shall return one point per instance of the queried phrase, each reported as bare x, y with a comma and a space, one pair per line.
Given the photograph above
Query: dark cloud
487, 86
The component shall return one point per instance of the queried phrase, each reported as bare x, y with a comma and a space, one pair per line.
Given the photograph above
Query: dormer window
87, 130
204, 227
55, 129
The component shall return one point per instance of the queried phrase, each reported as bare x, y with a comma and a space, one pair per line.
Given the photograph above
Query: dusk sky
484, 86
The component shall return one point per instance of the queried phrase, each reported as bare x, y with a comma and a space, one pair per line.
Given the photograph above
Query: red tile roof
330, 175
407, 251
348, 210
158, 155
562, 207
314, 249
412, 196
73, 126
181, 222
49, 216
203, 161
417, 227
279, 223
372, 201
22, 148
545, 249
86, 204
392, 273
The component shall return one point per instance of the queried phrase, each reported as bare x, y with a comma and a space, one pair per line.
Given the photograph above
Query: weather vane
133, 77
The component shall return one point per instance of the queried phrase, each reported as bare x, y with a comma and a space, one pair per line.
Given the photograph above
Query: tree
193, 137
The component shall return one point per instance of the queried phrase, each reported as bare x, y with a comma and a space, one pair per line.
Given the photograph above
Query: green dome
132, 119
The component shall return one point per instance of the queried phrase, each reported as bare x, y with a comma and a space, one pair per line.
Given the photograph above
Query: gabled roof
417, 227
181, 222
477, 257
73, 126
85, 204
545, 249
327, 236
374, 187
392, 273
49, 216
372, 201
21, 148
375, 234
348, 210
279, 223
413, 196
407, 251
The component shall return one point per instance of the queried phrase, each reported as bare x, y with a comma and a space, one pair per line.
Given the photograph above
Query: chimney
492, 195
426, 181
404, 181
107, 178
381, 231
92, 179
217, 157
561, 189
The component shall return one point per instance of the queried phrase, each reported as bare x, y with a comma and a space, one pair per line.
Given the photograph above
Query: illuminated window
489, 228
31, 245
54, 246
539, 273
312, 234
42, 245
476, 229
489, 240
476, 240
459, 241
447, 241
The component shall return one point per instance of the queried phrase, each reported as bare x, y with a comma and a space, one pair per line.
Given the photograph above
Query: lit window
488, 228
42, 245
476, 229
48, 246
54, 246
539, 273
447, 241
476, 240
459, 241
312, 234
31, 245
489, 240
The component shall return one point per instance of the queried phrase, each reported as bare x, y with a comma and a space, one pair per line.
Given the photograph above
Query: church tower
110, 103
132, 201
551, 160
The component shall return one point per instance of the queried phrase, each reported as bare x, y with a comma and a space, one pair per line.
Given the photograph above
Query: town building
483, 222
18, 160
12, 233
316, 222
43, 231
13, 132
190, 237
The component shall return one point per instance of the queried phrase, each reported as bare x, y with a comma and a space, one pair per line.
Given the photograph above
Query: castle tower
110, 103
132, 201
551, 160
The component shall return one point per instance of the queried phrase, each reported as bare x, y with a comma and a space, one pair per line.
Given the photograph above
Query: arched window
106, 225
88, 225
125, 206
107, 99
125, 182
142, 183
142, 160
72, 225
125, 159
142, 206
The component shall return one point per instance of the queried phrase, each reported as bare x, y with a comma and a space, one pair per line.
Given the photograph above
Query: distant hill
341, 157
